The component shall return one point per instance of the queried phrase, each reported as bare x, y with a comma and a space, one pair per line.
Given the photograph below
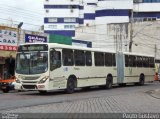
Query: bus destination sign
36, 47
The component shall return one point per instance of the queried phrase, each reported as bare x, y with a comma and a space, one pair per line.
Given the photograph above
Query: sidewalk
156, 93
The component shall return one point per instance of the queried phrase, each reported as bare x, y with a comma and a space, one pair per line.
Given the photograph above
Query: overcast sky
28, 11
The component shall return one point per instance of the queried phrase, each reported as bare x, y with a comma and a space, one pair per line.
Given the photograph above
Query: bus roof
56, 45
137, 54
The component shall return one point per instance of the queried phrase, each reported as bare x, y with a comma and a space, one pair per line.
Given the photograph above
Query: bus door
56, 72
120, 67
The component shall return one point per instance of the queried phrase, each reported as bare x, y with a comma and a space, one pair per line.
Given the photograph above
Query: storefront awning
7, 53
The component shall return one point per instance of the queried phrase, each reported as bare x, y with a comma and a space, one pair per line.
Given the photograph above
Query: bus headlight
19, 77
43, 80
18, 81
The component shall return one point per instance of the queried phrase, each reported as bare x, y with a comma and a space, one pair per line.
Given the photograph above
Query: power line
150, 36
21, 21
19, 8
149, 45
146, 40
20, 15
19, 12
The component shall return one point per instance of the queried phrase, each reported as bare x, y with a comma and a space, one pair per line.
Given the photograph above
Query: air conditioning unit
137, 1
47, 11
72, 10
87, 24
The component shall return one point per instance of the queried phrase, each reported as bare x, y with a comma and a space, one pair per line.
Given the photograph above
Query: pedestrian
0, 76
10, 64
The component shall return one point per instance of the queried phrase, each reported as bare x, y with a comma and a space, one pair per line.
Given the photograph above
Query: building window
52, 26
150, 1
69, 19
47, 11
52, 20
69, 26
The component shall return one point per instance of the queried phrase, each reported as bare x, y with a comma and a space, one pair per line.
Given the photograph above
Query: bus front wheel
70, 85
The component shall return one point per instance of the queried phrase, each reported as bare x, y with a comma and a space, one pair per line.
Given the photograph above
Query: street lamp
19, 27
20, 24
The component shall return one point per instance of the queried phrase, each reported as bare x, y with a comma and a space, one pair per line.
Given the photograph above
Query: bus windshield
35, 62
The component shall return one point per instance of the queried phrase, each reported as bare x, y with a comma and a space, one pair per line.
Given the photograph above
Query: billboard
8, 40
29, 38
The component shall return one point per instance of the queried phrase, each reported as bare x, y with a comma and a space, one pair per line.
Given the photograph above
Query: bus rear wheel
109, 82
141, 80
122, 84
70, 85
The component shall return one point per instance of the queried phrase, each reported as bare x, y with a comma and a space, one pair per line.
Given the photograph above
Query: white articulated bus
52, 66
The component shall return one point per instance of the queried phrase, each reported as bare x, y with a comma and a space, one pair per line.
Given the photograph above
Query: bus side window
88, 58
126, 60
134, 60
108, 59
151, 62
55, 59
130, 61
79, 58
67, 56
99, 58
113, 59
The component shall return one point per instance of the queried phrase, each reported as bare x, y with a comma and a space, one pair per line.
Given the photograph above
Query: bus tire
141, 80
122, 84
5, 90
86, 88
109, 82
70, 85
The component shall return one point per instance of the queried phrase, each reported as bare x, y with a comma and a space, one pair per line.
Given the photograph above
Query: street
129, 99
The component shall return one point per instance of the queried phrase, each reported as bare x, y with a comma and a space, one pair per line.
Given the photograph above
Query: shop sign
35, 38
8, 40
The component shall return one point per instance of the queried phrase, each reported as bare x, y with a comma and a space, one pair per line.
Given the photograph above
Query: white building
62, 16
92, 20
147, 10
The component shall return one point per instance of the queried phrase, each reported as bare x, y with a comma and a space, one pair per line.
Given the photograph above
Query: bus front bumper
19, 86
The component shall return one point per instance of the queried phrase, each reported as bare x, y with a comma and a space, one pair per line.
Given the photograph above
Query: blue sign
82, 43
35, 38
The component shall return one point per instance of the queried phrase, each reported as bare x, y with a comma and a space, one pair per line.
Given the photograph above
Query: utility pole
155, 51
131, 32
19, 33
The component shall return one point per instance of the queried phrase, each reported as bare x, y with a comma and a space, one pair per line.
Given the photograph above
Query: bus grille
30, 78
29, 82
29, 86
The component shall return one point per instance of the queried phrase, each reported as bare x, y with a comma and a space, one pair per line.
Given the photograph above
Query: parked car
7, 85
